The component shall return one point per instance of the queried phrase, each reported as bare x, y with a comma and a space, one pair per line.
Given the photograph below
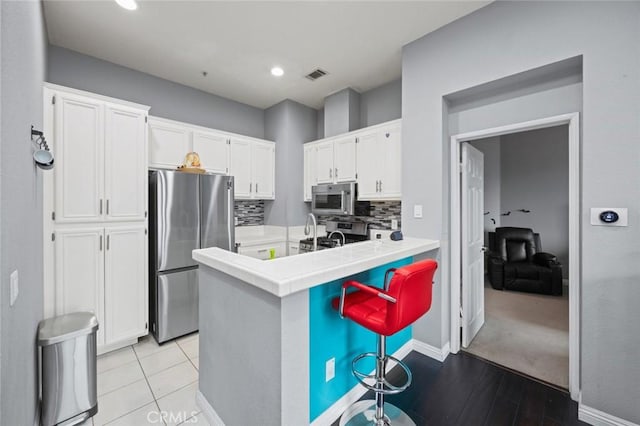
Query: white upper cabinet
213, 149
324, 162
240, 167
101, 149
344, 159
369, 156
252, 164
309, 169
169, 142
263, 169
79, 145
125, 160
125, 292
379, 163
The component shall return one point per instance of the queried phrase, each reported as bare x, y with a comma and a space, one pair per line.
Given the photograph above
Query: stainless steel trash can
68, 368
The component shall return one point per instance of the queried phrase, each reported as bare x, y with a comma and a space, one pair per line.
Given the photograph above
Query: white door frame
572, 120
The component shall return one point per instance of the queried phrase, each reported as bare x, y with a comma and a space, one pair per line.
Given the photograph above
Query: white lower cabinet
294, 248
103, 270
264, 251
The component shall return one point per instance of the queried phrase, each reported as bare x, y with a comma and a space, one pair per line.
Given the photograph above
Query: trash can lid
66, 327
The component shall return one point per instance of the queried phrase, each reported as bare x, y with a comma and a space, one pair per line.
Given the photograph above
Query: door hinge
356, 176
53, 215
53, 236
53, 100
357, 140
146, 119
228, 141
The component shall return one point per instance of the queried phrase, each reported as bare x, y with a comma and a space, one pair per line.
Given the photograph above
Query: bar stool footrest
384, 387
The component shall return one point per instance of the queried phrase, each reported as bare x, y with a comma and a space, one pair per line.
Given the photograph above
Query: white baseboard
599, 418
209, 413
439, 354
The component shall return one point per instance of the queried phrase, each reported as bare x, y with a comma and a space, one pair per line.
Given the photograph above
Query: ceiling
237, 42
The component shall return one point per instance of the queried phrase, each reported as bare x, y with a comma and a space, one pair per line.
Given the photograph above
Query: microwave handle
343, 204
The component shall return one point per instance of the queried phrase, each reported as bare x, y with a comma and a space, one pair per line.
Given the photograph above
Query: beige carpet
527, 333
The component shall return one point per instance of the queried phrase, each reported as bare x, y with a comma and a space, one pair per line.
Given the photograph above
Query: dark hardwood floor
465, 390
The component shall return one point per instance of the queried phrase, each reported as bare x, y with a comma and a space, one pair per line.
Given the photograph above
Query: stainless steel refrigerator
186, 212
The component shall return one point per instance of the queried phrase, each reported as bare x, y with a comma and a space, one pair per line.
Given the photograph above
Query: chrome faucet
315, 230
344, 239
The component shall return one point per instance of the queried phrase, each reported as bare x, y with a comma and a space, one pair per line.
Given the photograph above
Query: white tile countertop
288, 275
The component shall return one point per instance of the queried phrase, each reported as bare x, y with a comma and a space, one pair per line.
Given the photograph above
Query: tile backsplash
381, 214
249, 212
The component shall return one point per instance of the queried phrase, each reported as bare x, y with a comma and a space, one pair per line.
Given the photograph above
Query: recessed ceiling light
277, 71
128, 4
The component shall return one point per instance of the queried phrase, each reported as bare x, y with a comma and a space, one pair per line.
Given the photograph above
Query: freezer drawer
177, 304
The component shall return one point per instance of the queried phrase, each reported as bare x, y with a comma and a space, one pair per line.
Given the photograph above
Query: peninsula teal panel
330, 336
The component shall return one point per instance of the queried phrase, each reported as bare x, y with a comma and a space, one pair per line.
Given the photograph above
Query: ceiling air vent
316, 74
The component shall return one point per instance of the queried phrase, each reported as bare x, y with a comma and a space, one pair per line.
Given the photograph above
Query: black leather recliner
516, 262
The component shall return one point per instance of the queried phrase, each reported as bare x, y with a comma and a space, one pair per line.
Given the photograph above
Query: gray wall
23, 66
381, 104
166, 99
503, 39
290, 125
341, 112
535, 176
490, 147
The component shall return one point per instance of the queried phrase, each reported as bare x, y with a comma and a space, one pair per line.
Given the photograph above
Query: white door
125, 164
263, 170
213, 149
368, 167
324, 162
79, 148
168, 144
79, 273
390, 185
125, 287
309, 169
472, 225
240, 167
344, 159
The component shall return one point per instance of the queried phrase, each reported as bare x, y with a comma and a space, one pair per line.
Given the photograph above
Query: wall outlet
394, 224
15, 287
330, 369
417, 211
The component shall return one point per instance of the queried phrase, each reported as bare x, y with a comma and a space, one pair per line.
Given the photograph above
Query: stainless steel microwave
338, 199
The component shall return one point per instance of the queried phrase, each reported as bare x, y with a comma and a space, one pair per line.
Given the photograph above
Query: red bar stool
386, 311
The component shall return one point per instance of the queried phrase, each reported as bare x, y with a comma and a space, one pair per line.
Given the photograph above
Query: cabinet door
126, 283
390, 155
344, 159
213, 149
324, 162
125, 164
263, 170
79, 149
264, 252
240, 167
309, 170
368, 166
79, 273
168, 144
294, 248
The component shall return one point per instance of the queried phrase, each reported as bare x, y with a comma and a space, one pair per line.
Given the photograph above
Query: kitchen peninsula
272, 350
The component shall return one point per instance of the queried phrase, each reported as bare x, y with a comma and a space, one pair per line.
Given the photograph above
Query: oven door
332, 199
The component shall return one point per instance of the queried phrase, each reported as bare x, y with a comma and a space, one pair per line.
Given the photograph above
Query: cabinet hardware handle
107, 206
256, 187
376, 186
108, 239
100, 206
380, 186
100, 242
336, 172
250, 187
262, 251
330, 172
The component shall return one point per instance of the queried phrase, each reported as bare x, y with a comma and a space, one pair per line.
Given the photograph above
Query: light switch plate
15, 287
622, 216
330, 369
417, 211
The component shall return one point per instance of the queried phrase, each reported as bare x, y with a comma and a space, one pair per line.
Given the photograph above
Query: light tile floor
149, 384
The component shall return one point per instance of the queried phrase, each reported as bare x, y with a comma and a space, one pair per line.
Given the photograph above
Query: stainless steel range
338, 234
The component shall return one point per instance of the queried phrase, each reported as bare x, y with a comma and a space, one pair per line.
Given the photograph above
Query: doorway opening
469, 286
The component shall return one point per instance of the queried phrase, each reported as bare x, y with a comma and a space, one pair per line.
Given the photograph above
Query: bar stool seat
385, 311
